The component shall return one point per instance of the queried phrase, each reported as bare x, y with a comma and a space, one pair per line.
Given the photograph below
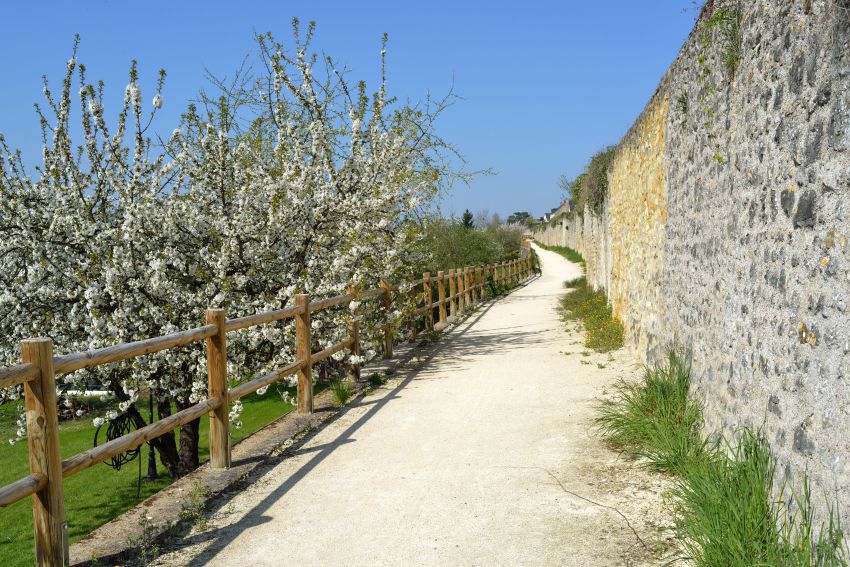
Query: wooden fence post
217, 388
452, 293
354, 335
411, 321
426, 289
388, 330
48, 504
304, 353
441, 296
482, 277
467, 298
461, 304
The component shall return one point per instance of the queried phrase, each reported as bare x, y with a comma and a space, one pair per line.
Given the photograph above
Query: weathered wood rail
39, 368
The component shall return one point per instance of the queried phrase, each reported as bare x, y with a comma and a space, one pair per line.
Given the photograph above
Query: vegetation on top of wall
724, 497
588, 190
596, 181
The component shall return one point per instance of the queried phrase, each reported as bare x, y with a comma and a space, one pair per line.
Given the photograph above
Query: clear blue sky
545, 84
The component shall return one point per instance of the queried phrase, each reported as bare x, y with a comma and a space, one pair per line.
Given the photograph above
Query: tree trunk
166, 445
189, 435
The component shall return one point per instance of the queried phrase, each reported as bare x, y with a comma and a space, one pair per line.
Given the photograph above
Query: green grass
341, 391
567, 253
603, 331
95, 496
725, 498
656, 418
377, 380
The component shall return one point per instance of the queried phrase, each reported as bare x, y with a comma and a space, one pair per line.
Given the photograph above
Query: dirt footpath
483, 454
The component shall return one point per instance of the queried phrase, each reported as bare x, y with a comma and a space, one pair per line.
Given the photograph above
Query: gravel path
482, 454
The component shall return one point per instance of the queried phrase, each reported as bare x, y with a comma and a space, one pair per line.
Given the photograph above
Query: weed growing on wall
682, 105
721, 31
724, 25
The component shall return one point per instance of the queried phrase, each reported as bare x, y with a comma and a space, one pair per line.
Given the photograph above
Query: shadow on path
458, 345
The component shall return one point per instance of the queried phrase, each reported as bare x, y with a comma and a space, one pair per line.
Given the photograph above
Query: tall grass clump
728, 513
341, 391
656, 419
728, 508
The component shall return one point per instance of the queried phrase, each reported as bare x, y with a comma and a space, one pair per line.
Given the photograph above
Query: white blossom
131, 241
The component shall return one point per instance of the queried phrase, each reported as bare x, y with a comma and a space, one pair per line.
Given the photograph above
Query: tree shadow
458, 346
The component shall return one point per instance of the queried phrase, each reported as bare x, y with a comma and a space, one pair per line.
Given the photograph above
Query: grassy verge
95, 496
725, 494
603, 331
567, 253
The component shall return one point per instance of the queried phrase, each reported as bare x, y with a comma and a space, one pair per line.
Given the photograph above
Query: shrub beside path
482, 453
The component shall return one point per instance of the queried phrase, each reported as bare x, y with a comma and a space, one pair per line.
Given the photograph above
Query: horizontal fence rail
457, 291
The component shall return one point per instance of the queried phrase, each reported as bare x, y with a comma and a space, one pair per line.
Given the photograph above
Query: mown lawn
95, 496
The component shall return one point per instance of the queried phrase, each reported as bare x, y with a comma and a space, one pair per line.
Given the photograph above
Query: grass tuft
377, 380
656, 419
341, 390
725, 496
726, 20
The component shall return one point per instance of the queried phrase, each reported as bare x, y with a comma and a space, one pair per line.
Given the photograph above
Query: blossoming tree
292, 180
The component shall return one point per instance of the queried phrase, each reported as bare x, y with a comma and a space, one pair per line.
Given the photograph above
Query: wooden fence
39, 367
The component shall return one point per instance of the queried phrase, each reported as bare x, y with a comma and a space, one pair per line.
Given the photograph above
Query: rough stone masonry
726, 230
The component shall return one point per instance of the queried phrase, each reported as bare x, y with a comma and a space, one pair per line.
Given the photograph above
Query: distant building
565, 207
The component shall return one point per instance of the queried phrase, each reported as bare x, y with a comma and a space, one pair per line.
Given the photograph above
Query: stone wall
726, 231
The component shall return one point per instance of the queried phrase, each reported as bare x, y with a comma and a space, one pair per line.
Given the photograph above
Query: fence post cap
36, 340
